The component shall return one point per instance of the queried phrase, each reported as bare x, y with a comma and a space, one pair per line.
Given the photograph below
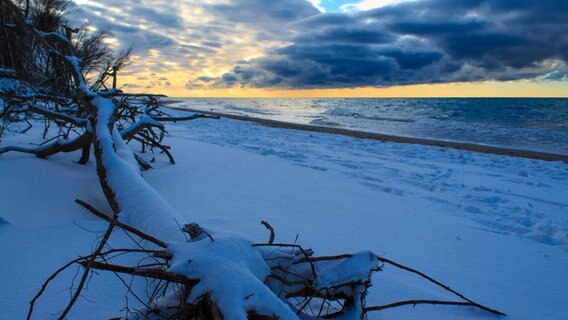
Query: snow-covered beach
292, 160
493, 227
526, 126
468, 146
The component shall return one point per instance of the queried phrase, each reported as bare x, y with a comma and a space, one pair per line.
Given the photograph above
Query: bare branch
403, 267
269, 227
119, 224
431, 302
144, 272
88, 265
187, 118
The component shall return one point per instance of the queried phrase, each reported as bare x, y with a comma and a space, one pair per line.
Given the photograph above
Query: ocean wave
527, 124
248, 110
341, 112
325, 122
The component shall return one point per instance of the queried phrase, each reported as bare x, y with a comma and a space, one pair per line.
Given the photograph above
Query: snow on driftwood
231, 272
140, 204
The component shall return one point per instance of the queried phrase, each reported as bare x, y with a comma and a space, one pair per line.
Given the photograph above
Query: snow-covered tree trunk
228, 268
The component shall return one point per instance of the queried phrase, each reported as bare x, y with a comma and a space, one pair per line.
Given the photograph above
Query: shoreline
389, 138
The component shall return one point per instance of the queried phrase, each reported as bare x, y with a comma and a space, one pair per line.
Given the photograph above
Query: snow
523, 197
231, 272
124, 151
492, 227
358, 266
141, 206
7, 84
144, 120
54, 35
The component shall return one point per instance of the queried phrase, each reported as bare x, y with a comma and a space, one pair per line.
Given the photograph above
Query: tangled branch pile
41, 68
196, 273
216, 275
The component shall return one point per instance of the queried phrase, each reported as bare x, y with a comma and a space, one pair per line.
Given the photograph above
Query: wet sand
391, 138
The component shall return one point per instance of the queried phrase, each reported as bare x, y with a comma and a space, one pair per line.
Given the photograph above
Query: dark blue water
521, 123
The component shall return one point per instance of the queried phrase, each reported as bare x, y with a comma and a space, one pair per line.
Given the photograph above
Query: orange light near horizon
474, 89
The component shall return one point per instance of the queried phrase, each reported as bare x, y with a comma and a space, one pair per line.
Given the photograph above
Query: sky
337, 48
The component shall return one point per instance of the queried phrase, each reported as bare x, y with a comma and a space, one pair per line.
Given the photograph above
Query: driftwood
298, 287
140, 119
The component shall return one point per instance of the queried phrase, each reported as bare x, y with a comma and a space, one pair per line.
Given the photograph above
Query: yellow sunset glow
523, 88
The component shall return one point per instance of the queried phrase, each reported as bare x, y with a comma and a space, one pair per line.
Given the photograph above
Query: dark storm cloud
268, 13
426, 41
514, 34
164, 19
346, 35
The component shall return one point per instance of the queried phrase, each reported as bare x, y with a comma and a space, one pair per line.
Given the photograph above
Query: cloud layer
293, 44
429, 41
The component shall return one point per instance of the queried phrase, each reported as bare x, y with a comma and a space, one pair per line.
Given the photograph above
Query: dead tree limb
269, 227
59, 116
143, 272
438, 283
88, 265
187, 118
83, 259
147, 139
46, 283
119, 224
417, 302
55, 147
144, 123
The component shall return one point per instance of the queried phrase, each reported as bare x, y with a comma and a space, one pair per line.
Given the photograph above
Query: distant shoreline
389, 138
176, 99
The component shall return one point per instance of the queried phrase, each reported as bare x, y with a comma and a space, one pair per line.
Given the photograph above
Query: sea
535, 124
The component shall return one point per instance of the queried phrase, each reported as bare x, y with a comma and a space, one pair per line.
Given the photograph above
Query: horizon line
362, 97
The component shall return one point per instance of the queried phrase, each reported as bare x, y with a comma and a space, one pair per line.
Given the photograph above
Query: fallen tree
197, 273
